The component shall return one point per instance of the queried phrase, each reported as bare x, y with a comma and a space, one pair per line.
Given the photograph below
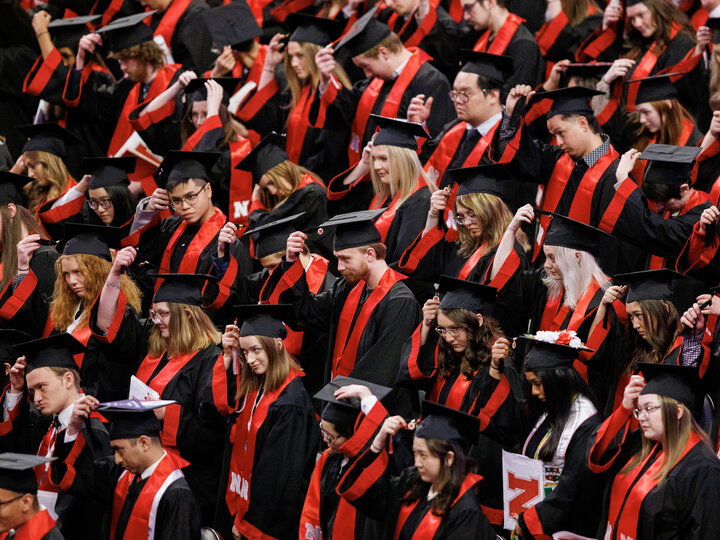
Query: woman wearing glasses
667, 478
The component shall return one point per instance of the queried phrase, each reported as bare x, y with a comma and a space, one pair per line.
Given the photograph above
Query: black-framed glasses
104, 203
3, 503
467, 8
327, 436
637, 413
191, 199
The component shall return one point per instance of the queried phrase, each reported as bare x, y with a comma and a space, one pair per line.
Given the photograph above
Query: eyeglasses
159, 316
637, 413
104, 203
191, 199
3, 503
453, 331
329, 438
470, 217
467, 8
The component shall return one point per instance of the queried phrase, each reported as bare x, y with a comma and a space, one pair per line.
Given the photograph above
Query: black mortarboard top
86, 239
179, 165
271, 237
232, 24
131, 418
714, 24
545, 355
354, 229
67, 32
463, 294
17, 471
680, 383
655, 88
263, 319
54, 351
587, 70
569, 233
196, 90
488, 178
446, 424
344, 412
574, 100
106, 172
398, 132
669, 164
126, 32
366, 33
8, 339
49, 137
270, 151
663, 284
11, 185
494, 67
182, 288
318, 30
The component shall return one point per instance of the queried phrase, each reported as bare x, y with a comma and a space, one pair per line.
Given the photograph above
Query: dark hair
591, 120
187, 128
172, 184
501, 3
148, 51
451, 477
663, 14
123, 202
486, 84
560, 386
479, 343
662, 192
243, 47
662, 326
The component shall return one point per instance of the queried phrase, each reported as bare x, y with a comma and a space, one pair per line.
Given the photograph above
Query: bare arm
172, 91
111, 291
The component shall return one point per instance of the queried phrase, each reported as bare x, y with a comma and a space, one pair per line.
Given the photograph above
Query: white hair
577, 275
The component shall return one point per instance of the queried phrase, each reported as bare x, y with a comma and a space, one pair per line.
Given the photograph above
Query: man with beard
370, 312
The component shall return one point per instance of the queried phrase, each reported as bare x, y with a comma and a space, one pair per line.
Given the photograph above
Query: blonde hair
95, 271
493, 217
190, 330
577, 276
296, 85
404, 169
280, 362
286, 176
54, 171
676, 433
12, 233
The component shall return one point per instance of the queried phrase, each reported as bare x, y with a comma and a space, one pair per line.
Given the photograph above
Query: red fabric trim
549, 32
41, 72
369, 424
420, 248
595, 44
6, 425
507, 270
220, 388
502, 38
63, 211
36, 527
117, 319
370, 475
494, 403
494, 515
147, 119
281, 12
615, 208
413, 369
257, 101
19, 296
532, 522
298, 123
169, 20
606, 434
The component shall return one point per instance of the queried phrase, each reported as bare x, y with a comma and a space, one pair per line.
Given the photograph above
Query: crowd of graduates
276, 269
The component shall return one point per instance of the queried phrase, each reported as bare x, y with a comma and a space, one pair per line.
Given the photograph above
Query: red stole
456, 393
345, 350
144, 511
35, 528
555, 314
246, 428
382, 223
298, 122
623, 491
83, 336
550, 31
502, 38
472, 262
423, 30
430, 522
390, 106
169, 20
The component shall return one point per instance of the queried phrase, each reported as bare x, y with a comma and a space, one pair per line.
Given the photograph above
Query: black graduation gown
30, 525
571, 37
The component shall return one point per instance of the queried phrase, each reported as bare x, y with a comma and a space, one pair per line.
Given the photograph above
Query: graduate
46, 369
370, 312
433, 498
108, 199
22, 516
274, 432
666, 475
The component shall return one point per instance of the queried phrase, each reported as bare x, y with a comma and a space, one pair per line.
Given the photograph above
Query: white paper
167, 55
135, 146
141, 391
522, 485
236, 100
565, 535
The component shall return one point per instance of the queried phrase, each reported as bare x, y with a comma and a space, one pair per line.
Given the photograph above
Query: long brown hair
12, 233
663, 14
187, 128
287, 177
95, 270
662, 326
479, 343
296, 85
676, 432
280, 362
55, 173
577, 10
190, 330
671, 114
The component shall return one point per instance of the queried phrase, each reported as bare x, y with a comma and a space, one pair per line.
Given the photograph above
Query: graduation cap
11, 185
8, 339
181, 288
181, 166
270, 151
106, 172
446, 424
196, 91
97, 240
663, 284
17, 471
488, 178
397, 132
272, 237
130, 419
681, 383
587, 70
233, 24
318, 30
54, 351
669, 164
49, 137
126, 32
545, 355
366, 33
573, 100
263, 319
655, 88
572, 234
464, 294
67, 32
354, 229
344, 412
494, 67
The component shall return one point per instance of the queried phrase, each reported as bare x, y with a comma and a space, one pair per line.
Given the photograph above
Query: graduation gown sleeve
177, 514
409, 221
